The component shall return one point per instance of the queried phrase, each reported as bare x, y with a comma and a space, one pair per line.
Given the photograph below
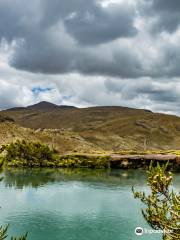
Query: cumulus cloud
84, 53
166, 14
97, 25
86, 37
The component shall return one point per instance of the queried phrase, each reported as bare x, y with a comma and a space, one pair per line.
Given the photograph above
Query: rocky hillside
104, 128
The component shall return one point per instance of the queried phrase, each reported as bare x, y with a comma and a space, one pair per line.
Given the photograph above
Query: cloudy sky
91, 52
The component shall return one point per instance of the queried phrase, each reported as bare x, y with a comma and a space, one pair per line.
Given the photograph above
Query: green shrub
81, 161
32, 154
4, 234
162, 204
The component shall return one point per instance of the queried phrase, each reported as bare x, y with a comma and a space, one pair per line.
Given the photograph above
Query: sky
91, 53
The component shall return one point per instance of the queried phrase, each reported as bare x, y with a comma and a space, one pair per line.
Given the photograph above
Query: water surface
73, 204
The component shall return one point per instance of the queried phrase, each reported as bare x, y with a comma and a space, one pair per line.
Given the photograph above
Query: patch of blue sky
37, 90
67, 97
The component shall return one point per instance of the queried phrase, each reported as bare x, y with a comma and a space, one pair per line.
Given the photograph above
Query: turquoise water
73, 205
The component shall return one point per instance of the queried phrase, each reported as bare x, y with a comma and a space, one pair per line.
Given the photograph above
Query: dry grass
97, 129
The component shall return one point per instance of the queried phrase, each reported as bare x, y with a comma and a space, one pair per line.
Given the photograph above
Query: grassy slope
63, 141
101, 128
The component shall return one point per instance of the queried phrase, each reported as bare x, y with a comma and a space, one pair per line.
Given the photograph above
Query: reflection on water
20, 178
74, 204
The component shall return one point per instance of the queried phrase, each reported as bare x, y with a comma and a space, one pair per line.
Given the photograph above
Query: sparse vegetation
84, 161
35, 154
149, 152
97, 128
163, 205
4, 118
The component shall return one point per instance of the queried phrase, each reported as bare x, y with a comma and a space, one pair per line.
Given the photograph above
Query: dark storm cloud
89, 23
98, 25
83, 36
167, 5
17, 19
37, 55
49, 59
166, 13
146, 88
47, 34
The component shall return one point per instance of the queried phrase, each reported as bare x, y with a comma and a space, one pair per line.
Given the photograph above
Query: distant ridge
44, 105
15, 109
107, 127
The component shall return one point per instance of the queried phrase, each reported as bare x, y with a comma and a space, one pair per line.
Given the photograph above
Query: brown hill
41, 106
107, 128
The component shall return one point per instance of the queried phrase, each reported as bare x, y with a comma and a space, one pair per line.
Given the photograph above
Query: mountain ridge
107, 127
43, 105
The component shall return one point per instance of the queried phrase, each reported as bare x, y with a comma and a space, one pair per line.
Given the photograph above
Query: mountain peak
43, 106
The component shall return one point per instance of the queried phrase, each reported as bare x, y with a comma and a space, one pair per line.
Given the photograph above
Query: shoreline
104, 161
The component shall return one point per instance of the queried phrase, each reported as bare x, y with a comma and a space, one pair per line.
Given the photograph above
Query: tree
162, 204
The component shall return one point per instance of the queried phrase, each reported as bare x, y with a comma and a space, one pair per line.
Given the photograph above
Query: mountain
107, 128
41, 106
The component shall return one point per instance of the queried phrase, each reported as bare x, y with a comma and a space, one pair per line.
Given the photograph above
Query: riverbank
99, 161
143, 160
34, 154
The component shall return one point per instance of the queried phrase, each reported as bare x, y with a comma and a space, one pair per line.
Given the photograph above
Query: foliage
31, 154
20, 238
4, 234
149, 152
84, 161
163, 204
34, 154
1, 161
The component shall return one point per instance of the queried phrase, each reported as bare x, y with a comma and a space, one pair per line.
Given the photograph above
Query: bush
34, 154
23, 153
163, 204
80, 161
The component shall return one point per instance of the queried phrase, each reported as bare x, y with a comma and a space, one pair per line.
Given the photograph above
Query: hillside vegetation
34, 154
94, 129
